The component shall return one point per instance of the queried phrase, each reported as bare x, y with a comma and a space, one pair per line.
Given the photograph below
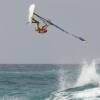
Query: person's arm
45, 26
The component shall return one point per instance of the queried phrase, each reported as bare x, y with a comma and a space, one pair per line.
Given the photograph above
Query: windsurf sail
31, 12
51, 23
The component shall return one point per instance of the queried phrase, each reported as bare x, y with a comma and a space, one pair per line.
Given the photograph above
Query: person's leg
37, 24
34, 21
38, 29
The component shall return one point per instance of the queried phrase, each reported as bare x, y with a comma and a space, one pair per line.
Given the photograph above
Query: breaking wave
87, 86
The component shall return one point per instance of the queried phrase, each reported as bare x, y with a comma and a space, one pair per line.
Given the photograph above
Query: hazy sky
19, 43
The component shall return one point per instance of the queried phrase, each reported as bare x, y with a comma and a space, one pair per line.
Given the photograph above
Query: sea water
50, 82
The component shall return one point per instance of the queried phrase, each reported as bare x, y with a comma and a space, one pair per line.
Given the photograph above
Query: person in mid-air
40, 29
43, 28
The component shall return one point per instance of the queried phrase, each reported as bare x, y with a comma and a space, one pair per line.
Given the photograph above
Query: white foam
61, 79
88, 74
57, 96
89, 94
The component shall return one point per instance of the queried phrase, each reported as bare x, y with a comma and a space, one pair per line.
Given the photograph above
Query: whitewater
87, 86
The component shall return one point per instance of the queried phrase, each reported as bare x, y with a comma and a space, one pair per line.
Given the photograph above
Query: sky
20, 44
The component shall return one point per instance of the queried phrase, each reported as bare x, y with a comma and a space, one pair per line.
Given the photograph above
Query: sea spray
61, 79
88, 74
65, 77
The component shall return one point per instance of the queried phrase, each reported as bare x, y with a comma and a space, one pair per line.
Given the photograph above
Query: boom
45, 20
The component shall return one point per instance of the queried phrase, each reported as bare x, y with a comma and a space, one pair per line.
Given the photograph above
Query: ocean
50, 81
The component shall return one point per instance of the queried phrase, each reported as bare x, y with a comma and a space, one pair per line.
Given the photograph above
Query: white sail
31, 11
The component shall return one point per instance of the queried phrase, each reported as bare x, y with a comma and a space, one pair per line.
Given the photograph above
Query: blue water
49, 82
